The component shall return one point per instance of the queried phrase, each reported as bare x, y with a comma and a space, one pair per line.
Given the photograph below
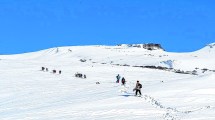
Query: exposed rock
151, 46
211, 45
148, 46
83, 60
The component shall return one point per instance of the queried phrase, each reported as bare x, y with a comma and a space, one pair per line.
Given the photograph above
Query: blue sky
178, 25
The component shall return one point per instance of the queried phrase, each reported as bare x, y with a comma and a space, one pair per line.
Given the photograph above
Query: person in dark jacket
138, 88
43, 68
117, 78
123, 81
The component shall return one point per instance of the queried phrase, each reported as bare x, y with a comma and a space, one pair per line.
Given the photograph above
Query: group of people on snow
45, 69
53, 71
118, 79
80, 75
137, 88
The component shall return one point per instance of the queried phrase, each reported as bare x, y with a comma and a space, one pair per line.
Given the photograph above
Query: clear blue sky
178, 25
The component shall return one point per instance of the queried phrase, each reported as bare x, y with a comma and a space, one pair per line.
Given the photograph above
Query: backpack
140, 85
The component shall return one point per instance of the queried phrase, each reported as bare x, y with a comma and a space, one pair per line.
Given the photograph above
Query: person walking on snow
117, 78
138, 88
123, 81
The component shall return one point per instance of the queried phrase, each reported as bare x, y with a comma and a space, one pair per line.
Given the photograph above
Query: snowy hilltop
79, 83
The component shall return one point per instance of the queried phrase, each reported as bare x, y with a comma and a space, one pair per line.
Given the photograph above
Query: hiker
59, 71
43, 68
97, 82
54, 71
47, 69
123, 81
85, 76
117, 78
138, 88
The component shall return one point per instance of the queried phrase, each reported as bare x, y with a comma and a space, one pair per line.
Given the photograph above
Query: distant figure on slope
54, 71
59, 71
117, 78
123, 81
97, 82
47, 69
43, 68
137, 88
85, 76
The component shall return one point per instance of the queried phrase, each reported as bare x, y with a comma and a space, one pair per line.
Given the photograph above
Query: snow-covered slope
27, 93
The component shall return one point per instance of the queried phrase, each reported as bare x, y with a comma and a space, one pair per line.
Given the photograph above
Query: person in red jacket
123, 81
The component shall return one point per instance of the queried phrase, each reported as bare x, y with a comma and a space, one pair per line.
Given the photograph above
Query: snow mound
167, 63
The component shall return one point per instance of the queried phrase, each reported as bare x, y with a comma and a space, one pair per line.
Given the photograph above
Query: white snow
27, 93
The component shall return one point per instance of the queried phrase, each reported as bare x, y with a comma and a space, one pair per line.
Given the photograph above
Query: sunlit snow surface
27, 93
